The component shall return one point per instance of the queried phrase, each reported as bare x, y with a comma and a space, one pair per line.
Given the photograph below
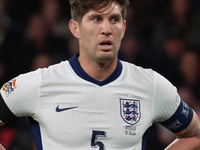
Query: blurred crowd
162, 35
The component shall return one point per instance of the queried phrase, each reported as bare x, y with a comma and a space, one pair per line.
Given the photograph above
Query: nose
106, 28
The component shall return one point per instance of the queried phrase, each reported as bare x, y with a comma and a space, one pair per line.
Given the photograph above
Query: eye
96, 19
114, 20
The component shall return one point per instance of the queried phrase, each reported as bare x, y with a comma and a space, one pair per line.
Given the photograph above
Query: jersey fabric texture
72, 111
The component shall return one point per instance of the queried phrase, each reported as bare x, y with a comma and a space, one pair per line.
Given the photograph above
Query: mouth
106, 45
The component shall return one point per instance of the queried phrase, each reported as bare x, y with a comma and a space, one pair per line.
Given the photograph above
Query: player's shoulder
42, 73
137, 70
57, 66
149, 76
58, 69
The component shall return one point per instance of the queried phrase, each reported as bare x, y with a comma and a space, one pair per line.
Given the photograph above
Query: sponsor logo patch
130, 110
9, 87
177, 99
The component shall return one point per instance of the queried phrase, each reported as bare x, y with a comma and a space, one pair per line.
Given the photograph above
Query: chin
106, 57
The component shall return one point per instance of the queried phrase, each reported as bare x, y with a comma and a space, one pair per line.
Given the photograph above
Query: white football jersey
72, 111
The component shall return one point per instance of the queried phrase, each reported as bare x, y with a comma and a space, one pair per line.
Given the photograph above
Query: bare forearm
2, 148
191, 143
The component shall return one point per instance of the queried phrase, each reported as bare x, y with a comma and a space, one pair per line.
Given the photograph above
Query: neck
98, 71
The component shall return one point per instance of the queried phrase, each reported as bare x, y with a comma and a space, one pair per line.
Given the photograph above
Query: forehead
112, 8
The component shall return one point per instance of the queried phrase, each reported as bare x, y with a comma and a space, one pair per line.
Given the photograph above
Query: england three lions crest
130, 110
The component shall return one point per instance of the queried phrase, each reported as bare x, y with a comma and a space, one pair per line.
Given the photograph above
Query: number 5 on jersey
94, 142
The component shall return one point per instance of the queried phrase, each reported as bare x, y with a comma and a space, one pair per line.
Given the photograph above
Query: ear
74, 28
124, 29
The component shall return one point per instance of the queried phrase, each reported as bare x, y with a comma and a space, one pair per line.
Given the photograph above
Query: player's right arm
18, 97
5, 113
2, 148
1, 124
2, 108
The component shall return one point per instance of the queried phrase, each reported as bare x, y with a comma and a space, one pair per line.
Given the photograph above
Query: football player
95, 100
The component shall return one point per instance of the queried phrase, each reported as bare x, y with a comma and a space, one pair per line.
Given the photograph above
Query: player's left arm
189, 138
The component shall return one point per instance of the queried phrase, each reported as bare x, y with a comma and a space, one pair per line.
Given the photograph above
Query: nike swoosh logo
63, 109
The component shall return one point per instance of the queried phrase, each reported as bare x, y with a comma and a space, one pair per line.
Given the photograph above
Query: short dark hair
80, 7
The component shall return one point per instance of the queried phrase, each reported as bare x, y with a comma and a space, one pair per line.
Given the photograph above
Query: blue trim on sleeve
81, 73
180, 120
35, 130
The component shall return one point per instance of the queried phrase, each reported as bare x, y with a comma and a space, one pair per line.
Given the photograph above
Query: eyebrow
100, 14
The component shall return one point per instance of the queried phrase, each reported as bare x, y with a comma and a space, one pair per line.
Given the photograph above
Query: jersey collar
81, 73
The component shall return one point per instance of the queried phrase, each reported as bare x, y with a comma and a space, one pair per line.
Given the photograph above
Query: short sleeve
21, 93
169, 109
166, 98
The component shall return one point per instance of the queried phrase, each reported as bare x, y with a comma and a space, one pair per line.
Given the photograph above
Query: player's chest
86, 112
97, 104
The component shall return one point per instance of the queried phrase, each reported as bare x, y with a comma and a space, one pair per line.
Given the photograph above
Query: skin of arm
189, 138
2, 148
